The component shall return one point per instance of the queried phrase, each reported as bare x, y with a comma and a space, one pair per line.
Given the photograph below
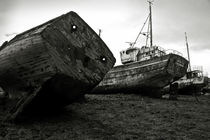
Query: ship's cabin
129, 55
134, 54
194, 74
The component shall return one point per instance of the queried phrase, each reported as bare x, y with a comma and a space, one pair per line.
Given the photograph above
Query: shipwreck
52, 65
144, 70
194, 81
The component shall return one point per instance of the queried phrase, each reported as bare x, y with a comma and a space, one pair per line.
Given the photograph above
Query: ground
118, 116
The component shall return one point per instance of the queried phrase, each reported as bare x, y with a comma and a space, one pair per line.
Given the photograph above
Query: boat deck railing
171, 51
160, 48
146, 53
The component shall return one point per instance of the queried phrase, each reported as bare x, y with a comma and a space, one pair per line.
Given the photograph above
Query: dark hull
191, 89
54, 63
192, 86
146, 76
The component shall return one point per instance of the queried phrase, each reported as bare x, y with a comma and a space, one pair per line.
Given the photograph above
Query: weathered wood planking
63, 57
144, 76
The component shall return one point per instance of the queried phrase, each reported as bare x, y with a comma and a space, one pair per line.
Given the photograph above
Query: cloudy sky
121, 21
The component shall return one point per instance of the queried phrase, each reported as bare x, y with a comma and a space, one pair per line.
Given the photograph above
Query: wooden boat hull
191, 86
143, 77
54, 63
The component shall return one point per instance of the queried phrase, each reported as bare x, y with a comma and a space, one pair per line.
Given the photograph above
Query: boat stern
177, 66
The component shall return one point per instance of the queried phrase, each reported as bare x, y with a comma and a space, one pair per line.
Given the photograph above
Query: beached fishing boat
53, 64
194, 80
145, 70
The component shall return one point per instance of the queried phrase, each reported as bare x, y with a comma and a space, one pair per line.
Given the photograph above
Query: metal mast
188, 53
148, 33
150, 21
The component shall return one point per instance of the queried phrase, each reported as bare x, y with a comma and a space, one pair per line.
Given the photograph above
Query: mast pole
188, 53
150, 21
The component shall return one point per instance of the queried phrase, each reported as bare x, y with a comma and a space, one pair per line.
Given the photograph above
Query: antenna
150, 20
148, 33
188, 53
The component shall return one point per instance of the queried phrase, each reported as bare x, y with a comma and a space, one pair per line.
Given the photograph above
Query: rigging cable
141, 30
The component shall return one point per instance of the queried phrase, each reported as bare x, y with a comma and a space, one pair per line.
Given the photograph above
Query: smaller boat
194, 80
144, 70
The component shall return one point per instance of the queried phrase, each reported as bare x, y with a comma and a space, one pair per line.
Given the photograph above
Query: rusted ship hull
145, 76
53, 64
192, 83
191, 86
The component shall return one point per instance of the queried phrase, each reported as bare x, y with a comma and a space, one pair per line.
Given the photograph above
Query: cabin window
200, 74
195, 74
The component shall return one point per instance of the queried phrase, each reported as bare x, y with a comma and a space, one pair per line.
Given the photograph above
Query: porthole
103, 59
74, 28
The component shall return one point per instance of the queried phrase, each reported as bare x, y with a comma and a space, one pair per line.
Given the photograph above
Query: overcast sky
121, 21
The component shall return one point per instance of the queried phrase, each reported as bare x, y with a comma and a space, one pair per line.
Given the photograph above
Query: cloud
6, 10
200, 47
120, 20
6, 5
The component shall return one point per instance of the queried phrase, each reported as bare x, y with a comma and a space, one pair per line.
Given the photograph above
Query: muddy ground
118, 116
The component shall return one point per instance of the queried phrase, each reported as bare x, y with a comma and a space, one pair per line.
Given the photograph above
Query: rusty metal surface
64, 56
143, 76
191, 85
